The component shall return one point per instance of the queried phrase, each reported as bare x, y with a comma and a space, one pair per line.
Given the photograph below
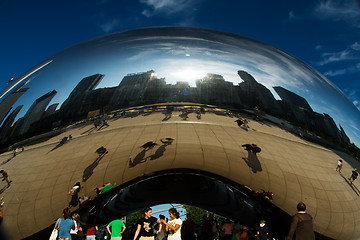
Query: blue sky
323, 33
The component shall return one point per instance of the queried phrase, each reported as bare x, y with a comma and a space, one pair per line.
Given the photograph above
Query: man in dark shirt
188, 228
301, 225
145, 228
5, 177
354, 175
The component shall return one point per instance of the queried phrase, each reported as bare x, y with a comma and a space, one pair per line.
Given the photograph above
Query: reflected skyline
143, 90
185, 54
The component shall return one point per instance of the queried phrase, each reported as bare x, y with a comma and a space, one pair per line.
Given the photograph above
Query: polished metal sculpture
153, 105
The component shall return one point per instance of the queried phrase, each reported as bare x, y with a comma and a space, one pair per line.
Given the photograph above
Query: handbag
55, 231
80, 232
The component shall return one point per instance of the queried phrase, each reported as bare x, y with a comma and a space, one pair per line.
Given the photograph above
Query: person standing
244, 235
188, 228
5, 177
74, 232
162, 234
117, 229
174, 225
206, 229
145, 227
339, 165
228, 229
353, 176
262, 231
65, 225
301, 225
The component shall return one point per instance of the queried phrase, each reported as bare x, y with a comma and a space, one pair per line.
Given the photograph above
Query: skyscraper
5, 128
36, 111
132, 88
8, 102
292, 98
82, 88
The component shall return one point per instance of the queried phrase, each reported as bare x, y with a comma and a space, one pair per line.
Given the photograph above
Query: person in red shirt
244, 234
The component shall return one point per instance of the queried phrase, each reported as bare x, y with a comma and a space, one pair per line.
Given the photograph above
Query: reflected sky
188, 54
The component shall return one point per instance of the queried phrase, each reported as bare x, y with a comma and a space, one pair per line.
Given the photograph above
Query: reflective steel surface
163, 99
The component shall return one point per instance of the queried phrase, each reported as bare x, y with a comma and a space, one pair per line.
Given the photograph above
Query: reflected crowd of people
84, 226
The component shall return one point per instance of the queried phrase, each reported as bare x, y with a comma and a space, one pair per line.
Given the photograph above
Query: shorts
147, 238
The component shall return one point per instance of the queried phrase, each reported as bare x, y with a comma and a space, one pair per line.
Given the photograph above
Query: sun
188, 74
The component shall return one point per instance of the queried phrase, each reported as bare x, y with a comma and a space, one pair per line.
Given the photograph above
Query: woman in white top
174, 225
74, 232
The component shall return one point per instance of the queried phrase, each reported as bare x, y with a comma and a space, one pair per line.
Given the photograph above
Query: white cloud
339, 10
168, 7
332, 73
319, 47
355, 46
109, 26
352, 52
292, 15
357, 104
348, 70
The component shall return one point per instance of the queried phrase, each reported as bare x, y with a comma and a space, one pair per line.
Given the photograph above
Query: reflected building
76, 101
51, 109
213, 89
254, 94
9, 101
36, 111
6, 126
292, 98
132, 89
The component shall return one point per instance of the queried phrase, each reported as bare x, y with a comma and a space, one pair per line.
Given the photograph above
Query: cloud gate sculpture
182, 115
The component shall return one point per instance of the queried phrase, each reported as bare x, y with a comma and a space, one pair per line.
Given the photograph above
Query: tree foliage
197, 215
133, 218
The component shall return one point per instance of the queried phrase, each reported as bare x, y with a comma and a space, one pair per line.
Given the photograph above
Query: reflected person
145, 227
301, 225
174, 225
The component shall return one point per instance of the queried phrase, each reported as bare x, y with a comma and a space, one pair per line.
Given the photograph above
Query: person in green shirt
117, 228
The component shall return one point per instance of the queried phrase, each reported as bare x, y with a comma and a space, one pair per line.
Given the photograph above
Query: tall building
82, 88
36, 111
132, 88
5, 128
292, 98
215, 90
253, 94
51, 109
8, 102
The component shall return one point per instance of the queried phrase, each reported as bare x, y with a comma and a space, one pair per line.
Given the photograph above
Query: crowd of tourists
149, 227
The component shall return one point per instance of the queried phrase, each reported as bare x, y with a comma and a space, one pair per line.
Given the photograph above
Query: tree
198, 213
133, 218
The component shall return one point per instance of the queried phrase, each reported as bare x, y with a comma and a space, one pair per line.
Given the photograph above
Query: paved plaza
290, 167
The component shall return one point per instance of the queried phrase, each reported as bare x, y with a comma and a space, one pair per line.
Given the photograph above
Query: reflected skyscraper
73, 105
36, 111
51, 109
132, 88
9, 101
292, 98
5, 128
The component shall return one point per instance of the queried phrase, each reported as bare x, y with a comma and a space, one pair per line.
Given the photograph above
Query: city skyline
144, 88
